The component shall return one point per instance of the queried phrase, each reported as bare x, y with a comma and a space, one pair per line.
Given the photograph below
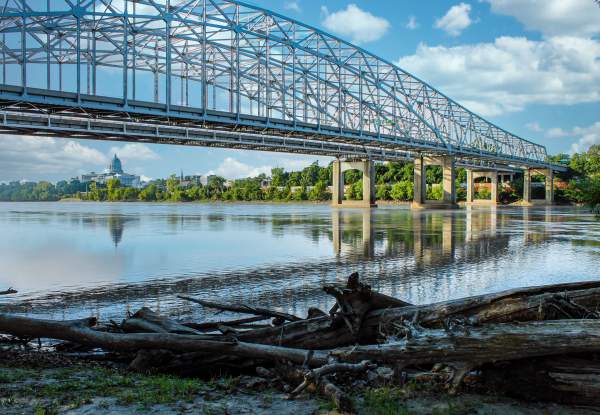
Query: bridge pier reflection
345, 223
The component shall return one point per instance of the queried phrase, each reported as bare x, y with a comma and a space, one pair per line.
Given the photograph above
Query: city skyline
472, 51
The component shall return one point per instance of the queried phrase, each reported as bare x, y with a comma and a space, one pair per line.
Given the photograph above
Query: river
72, 259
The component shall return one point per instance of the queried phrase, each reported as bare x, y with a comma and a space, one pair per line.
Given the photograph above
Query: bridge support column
471, 176
548, 186
526, 187
337, 194
367, 167
470, 187
448, 183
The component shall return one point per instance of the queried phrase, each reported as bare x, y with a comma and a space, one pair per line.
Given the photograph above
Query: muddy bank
51, 383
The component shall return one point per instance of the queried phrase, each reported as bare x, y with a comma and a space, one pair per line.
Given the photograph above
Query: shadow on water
420, 256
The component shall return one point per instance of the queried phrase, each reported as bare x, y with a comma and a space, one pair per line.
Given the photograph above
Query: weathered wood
80, 332
241, 308
9, 291
148, 321
506, 306
213, 325
478, 345
561, 379
355, 300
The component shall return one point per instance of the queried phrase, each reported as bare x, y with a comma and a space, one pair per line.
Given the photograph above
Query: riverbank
46, 383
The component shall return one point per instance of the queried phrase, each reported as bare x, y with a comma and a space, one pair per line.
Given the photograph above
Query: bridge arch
236, 66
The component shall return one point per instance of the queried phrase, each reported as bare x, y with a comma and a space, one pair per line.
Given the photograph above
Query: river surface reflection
80, 259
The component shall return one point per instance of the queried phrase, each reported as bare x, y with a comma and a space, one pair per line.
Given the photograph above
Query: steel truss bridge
226, 74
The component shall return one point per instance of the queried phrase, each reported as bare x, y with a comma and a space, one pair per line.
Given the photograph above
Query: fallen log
356, 299
561, 379
79, 331
148, 321
507, 306
213, 325
471, 347
241, 308
9, 291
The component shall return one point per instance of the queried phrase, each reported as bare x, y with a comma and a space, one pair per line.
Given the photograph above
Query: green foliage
402, 191
483, 193
435, 192
384, 192
319, 192
355, 191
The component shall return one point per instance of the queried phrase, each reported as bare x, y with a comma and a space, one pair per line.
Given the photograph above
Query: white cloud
455, 20
588, 136
293, 6
38, 158
134, 151
412, 23
556, 132
354, 23
231, 168
534, 126
553, 17
512, 72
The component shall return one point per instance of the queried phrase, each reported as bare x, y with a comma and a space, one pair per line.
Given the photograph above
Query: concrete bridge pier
420, 200
471, 176
367, 167
549, 187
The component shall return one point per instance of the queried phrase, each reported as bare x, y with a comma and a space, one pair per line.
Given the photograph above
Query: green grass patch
385, 401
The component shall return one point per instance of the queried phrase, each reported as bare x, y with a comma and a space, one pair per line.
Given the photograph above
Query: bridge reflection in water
421, 256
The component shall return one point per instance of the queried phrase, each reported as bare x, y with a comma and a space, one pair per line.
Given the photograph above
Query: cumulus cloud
231, 168
587, 136
355, 24
38, 158
455, 20
552, 17
412, 23
134, 151
293, 6
512, 72
534, 126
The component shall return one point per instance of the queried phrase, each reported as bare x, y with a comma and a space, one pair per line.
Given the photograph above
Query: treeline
394, 181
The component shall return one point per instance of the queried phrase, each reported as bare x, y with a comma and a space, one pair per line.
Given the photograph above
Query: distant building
114, 171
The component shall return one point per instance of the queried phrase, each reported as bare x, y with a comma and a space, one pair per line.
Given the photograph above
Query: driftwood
563, 379
148, 321
80, 331
241, 308
355, 300
527, 336
506, 306
213, 325
9, 291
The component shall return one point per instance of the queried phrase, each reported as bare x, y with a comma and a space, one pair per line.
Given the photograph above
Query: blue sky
532, 67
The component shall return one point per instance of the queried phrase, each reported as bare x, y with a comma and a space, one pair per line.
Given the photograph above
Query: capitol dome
115, 166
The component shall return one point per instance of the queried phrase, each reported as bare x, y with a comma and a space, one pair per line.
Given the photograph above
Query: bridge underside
48, 113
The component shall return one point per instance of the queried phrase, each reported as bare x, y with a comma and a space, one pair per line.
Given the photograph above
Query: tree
402, 191
113, 187
278, 177
149, 193
319, 191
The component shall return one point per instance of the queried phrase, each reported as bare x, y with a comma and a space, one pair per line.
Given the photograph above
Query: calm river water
79, 259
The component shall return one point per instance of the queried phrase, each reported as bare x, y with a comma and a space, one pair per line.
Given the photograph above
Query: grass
73, 387
385, 401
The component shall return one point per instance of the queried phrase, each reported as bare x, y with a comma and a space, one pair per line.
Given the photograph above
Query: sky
530, 66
